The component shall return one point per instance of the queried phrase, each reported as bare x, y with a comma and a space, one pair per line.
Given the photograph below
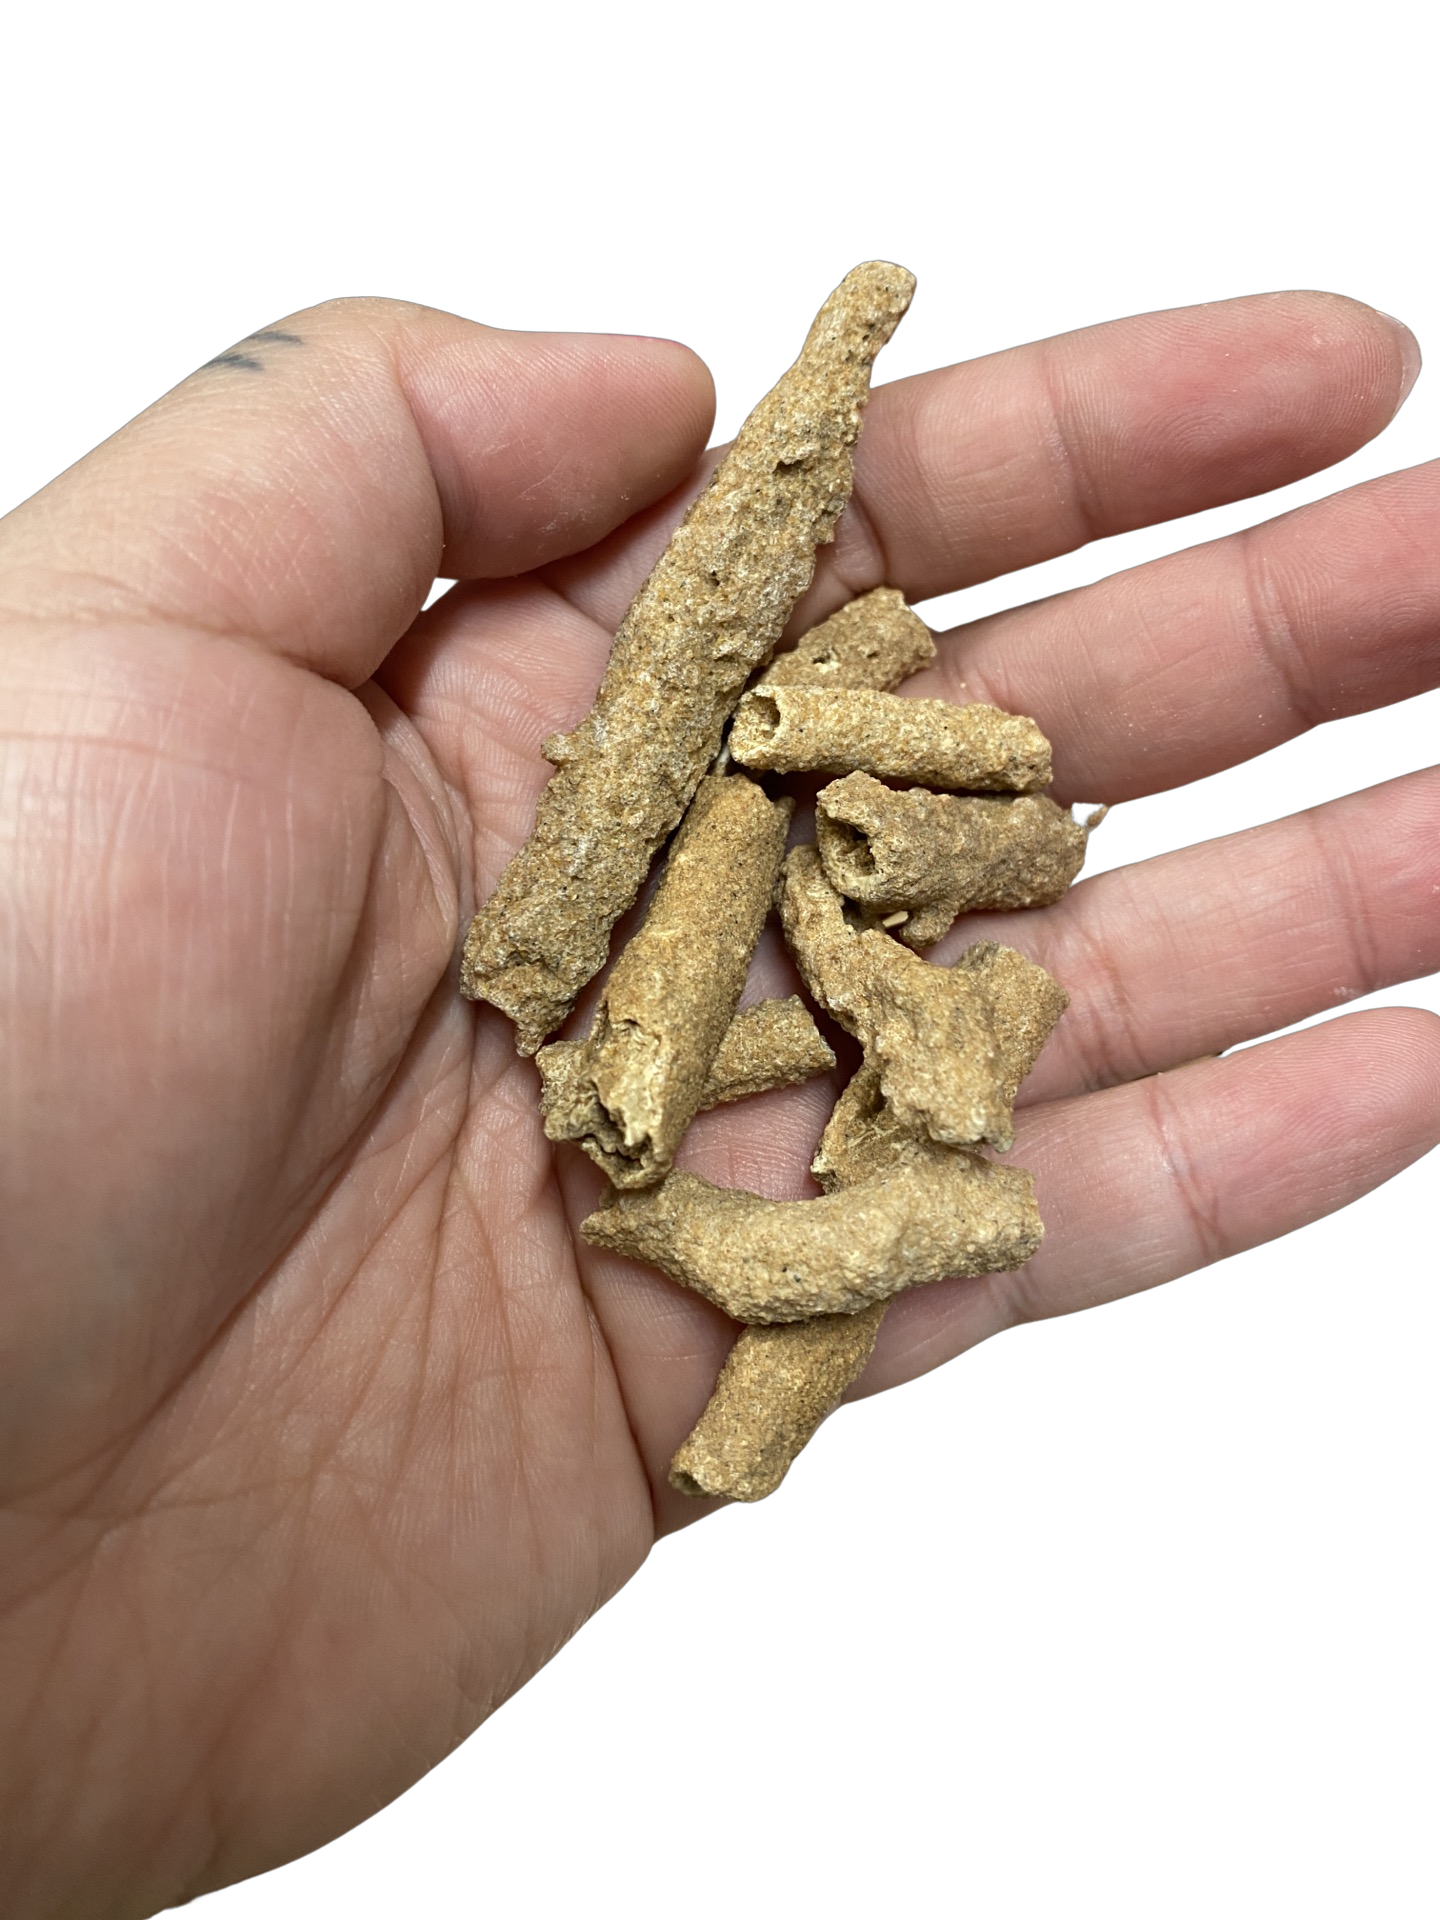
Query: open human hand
320, 1428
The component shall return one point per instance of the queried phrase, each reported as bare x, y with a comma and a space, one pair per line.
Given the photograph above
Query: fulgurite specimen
925, 857
629, 1091
781, 1381
928, 1029
772, 1044
807, 729
875, 641
707, 617
909, 1194
935, 1214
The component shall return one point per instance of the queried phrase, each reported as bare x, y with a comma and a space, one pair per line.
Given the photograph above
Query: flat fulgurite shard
769, 1260
707, 617
800, 729
935, 855
875, 641
630, 1090
1024, 1001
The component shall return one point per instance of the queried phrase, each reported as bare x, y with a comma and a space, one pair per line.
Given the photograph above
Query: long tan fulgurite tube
707, 617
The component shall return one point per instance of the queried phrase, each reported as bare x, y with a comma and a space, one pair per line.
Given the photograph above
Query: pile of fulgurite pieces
909, 1195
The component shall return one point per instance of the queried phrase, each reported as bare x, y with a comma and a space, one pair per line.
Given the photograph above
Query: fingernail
1410, 361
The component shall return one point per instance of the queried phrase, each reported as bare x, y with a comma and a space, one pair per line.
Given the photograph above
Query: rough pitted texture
830, 730
781, 1382
777, 1386
768, 1260
639, 1077
933, 855
863, 1138
927, 1029
875, 642
774, 1044
1024, 1003
707, 617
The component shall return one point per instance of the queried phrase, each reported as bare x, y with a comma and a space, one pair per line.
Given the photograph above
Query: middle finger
1195, 662
1199, 950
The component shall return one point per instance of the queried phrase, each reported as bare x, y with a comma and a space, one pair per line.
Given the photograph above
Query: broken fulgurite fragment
780, 1382
776, 1387
628, 1092
932, 856
875, 641
928, 1029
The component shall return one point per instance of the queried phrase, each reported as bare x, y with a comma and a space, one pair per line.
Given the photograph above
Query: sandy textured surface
633, 1086
767, 1260
830, 730
875, 641
707, 617
932, 856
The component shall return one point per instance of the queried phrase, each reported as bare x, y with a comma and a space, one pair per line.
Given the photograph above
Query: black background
1066, 1563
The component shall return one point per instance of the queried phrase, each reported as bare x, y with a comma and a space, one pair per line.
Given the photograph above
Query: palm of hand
323, 1429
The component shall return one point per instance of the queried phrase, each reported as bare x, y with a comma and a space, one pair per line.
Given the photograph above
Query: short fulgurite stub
808, 729
874, 641
930, 856
709, 614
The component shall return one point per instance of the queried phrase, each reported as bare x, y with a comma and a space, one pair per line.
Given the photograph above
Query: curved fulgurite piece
772, 1044
803, 729
935, 855
940, 1213
781, 1381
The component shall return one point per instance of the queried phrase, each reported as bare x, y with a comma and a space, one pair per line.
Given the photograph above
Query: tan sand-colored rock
863, 1138
1024, 1003
935, 855
773, 1044
707, 617
833, 730
781, 1382
775, 1389
641, 1072
769, 1260
875, 641
926, 1028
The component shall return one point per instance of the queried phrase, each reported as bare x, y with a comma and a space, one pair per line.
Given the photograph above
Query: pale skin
320, 1428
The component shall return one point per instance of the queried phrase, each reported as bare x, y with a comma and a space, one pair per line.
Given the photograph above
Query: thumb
303, 489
